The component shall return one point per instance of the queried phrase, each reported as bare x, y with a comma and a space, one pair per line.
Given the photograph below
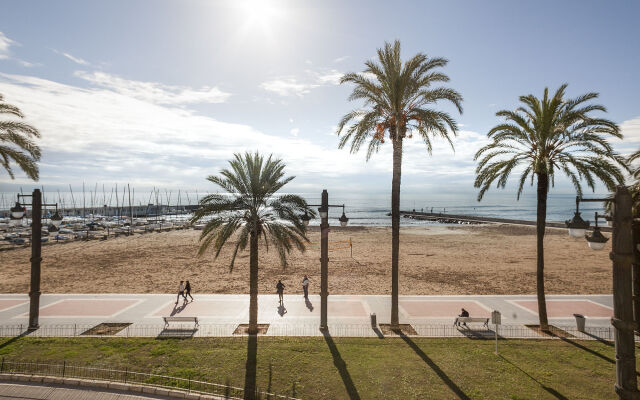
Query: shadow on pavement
455, 388
479, 334
549, 390
308, 304
176, 333
281, 310
178, 309
342, 367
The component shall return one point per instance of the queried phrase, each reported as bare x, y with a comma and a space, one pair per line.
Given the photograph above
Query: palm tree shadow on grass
342, 367
250, 388
549, 390
454, 388
599, 339
14, 339
588, 350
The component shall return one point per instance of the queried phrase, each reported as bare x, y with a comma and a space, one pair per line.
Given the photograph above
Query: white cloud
291, 86
631, 130
340, 59
287, 87
105, 135
291, 120
5, 44
76, 60
153, 91
5, 51
630, 143
332, 77
26, 63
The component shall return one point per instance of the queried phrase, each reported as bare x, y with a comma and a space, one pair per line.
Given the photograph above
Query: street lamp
17, 211
36, 250
343, 219
597, 240
623, 257
323, 210
577, 226
56, 219
305, 218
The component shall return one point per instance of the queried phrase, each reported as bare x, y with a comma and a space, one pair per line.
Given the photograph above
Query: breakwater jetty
445, 218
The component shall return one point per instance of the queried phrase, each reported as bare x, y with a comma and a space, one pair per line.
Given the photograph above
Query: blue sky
161, 93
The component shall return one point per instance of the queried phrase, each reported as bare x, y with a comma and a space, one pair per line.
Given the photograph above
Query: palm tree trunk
395, 228
253, 284
541, 221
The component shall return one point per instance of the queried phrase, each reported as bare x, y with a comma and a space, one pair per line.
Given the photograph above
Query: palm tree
543, 136
634, 187
398, 102
16, 145
250, 210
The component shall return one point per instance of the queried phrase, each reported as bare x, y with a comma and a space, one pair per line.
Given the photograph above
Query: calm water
362, 209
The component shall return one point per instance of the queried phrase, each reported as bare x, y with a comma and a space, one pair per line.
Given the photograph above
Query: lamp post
323, 210
18, 212
622, 251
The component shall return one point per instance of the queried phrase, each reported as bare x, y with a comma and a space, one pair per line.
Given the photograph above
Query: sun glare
261, 13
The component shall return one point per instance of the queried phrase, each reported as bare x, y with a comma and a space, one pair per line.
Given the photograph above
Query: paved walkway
45, 392
219, 315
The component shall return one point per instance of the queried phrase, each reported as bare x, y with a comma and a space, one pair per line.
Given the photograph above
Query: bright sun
261, 12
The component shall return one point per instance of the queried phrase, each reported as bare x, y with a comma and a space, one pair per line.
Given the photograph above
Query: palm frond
250, 206
549, 134
16, 144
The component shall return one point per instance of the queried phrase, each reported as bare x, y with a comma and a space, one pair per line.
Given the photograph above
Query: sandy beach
483, 259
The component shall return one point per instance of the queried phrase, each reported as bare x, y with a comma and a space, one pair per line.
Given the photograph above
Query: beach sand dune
435, 260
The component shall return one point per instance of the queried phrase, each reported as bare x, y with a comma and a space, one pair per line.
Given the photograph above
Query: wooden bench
179, 319
465, 320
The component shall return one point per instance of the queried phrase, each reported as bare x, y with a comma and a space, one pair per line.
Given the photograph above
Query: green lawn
344, 368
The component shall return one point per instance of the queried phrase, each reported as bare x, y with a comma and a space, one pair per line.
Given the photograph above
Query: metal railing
308, 330
69, 370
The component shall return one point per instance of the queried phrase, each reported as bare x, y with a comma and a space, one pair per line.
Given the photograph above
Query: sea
362, 209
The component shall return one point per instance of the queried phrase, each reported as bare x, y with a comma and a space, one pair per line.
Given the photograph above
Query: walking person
187, 289
305, 287
280, 290
180, 291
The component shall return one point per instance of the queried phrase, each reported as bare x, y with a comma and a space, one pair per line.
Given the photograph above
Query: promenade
348, 315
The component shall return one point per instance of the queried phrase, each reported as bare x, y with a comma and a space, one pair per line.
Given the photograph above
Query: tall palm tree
634, 187
250, 210
399, 101
16, 144
543, 136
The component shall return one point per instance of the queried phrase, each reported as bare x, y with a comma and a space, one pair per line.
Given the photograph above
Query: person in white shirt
180, 291
305, 287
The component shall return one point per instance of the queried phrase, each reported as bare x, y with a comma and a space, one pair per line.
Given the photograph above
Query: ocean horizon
362, 209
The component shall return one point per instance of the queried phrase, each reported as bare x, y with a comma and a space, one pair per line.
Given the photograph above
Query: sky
162, 93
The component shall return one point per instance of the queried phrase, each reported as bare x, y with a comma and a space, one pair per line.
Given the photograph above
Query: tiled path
46, 392
220, 314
